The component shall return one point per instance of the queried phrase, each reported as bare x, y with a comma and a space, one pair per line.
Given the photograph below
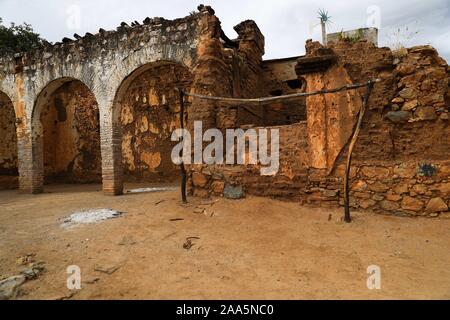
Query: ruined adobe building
103, 107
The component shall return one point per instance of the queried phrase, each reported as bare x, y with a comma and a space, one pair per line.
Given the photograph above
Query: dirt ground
256, 248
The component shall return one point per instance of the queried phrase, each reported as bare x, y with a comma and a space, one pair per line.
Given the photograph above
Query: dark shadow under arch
8, 144
66, 133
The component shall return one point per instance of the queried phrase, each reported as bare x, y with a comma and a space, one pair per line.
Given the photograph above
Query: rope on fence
357, 128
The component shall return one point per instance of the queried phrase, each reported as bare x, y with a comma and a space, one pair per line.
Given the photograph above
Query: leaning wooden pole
347, 216
182, 168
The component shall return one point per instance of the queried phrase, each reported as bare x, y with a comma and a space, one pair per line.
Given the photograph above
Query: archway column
30, 160
111, 149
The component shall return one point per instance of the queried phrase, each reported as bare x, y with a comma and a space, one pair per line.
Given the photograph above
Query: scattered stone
9, 288
90, 279
399, 116
233, 192
26, 259
108, 269
199, 210
34, 271
436, 205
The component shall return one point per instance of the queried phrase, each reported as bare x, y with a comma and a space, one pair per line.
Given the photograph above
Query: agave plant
325, 19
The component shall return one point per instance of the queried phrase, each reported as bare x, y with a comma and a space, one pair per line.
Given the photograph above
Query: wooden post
183, 169
347, 217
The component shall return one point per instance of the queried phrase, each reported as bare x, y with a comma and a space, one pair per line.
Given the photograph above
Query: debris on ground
90, 279
108, 269
34, 270
26, 259
154, 189
176, 219
127, 241
200, 210
9, 288
90, 216
189, 242
159, 202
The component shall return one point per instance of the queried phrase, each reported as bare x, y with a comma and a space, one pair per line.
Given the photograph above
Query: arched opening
8, 144
69, 133
148, 111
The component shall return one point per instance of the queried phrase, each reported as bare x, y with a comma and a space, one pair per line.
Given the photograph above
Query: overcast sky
286, 24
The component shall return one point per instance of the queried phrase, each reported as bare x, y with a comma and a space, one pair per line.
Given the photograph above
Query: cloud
286, 24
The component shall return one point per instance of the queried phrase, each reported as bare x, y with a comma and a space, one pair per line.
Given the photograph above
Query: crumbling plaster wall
280, 78
150, 113
106, 63
401, 161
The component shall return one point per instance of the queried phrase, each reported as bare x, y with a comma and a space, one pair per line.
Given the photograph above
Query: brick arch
7, 87
112, 133
10, 98
36, 129
138, 60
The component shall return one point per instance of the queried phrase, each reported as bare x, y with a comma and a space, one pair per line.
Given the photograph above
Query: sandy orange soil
256, 248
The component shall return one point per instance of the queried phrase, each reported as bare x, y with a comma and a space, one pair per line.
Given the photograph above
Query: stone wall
402, 158
105, 61
280, 78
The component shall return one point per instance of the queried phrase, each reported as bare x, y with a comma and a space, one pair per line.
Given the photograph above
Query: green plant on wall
351, 38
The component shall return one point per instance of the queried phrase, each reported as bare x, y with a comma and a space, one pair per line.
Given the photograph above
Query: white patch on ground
156, 189
90, 216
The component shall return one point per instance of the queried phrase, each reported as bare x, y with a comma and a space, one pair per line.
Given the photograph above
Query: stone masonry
103, 106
